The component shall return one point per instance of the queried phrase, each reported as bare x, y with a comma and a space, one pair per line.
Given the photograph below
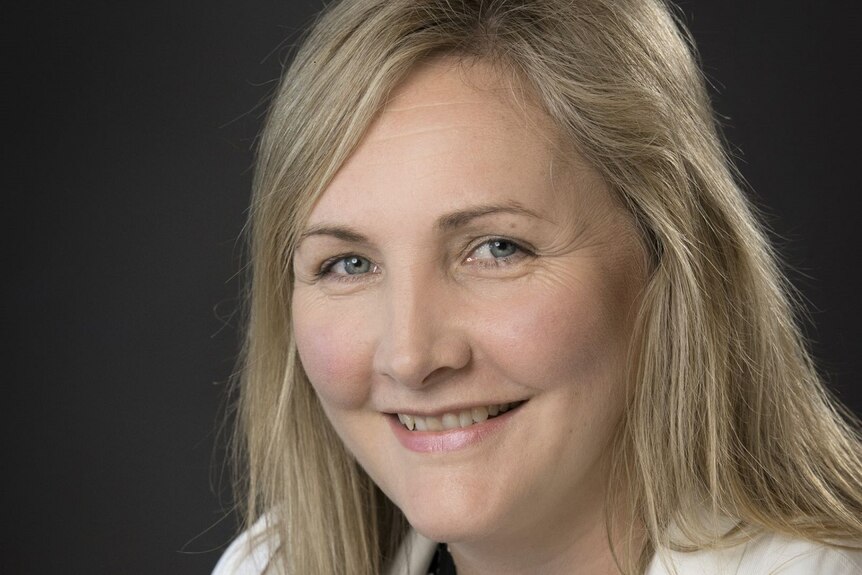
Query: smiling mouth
461, 419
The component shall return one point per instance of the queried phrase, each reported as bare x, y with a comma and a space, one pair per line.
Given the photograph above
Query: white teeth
433, 424
480, 414
408, 421
464, 418
451, 421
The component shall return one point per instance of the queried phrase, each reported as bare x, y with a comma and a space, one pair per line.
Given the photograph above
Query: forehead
472, 93
452, 134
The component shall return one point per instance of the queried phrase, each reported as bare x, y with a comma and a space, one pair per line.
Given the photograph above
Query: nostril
408, 369
418, 343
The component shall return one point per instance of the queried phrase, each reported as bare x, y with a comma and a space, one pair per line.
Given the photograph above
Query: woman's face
453, 266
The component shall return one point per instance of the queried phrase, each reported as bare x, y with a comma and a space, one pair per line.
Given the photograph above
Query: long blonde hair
726, 410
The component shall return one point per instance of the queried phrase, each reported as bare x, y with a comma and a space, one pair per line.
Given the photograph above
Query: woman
506, 296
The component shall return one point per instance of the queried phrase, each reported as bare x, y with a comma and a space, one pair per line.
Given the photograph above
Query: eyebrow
461, 218
343, 233
446, 222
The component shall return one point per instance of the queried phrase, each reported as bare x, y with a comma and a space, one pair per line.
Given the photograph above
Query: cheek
335, 354
552, 334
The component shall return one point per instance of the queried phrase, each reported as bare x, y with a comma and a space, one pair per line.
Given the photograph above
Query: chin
446, 527
456, 514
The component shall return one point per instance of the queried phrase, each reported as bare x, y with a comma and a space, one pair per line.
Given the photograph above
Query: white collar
414, 555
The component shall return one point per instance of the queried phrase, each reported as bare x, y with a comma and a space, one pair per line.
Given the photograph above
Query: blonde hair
726, 411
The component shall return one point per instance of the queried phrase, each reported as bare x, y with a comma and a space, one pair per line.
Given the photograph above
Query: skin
434, 317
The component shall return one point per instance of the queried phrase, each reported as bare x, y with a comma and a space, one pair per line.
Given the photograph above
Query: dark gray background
128, 174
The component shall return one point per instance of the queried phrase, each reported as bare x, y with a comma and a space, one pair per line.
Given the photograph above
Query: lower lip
450, 439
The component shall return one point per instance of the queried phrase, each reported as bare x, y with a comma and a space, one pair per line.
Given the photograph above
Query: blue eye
346, 266
356, 265
496, 252
502, 248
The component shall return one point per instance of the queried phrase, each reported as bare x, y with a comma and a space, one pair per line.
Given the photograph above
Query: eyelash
520, 252
325, 270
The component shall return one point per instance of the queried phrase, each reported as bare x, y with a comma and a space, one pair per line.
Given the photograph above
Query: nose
422, 336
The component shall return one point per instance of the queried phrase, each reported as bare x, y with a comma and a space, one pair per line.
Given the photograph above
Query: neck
588, 555
575, 542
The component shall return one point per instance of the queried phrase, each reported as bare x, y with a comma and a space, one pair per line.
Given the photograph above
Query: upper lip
454, 409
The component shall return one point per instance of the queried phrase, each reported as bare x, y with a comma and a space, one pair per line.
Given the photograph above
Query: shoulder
767, 554
249, 553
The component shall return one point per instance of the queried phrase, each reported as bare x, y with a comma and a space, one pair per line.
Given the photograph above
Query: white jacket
768, 554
